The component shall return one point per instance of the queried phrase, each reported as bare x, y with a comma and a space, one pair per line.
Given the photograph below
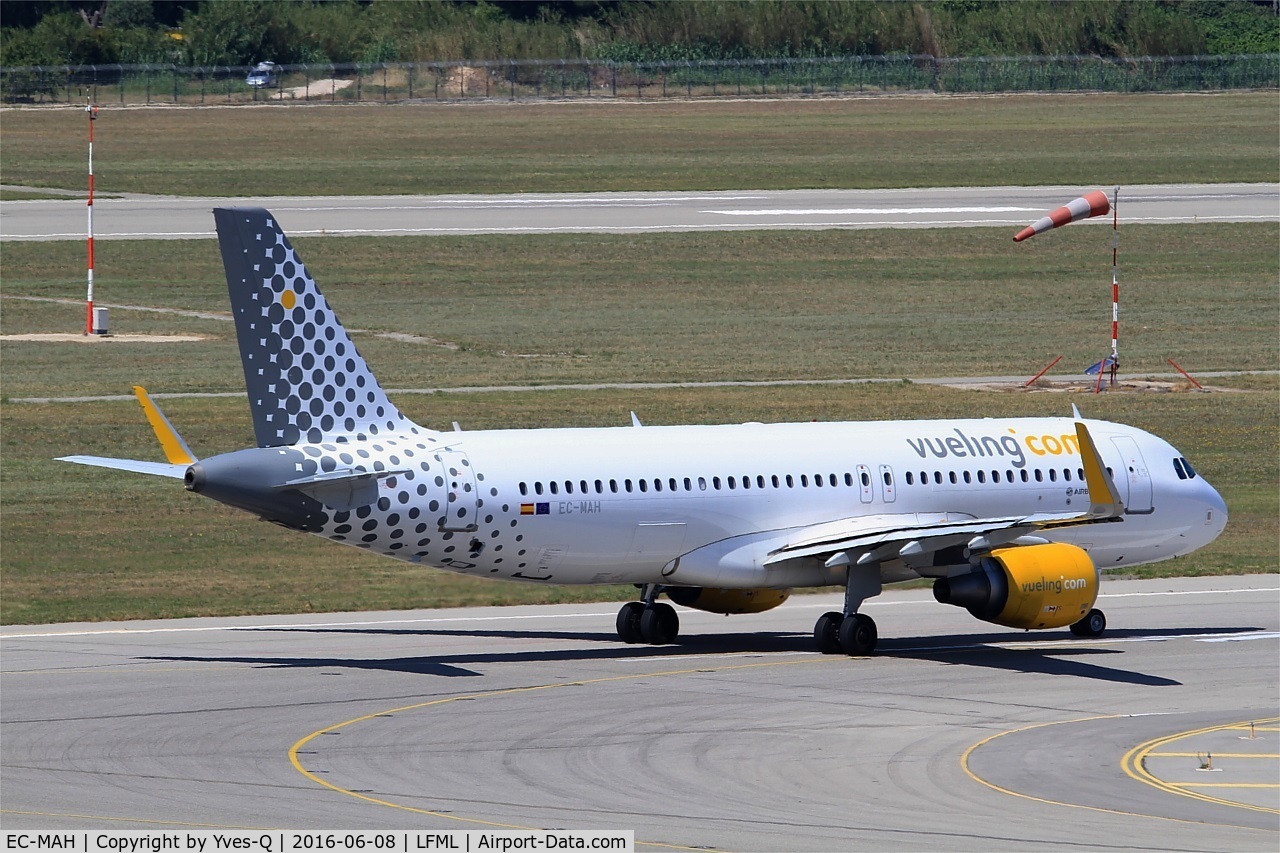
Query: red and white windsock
1089, 204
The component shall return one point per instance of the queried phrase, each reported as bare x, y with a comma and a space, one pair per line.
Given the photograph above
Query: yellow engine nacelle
728, 600
1036, 586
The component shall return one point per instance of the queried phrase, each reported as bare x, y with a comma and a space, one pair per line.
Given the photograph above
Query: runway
160, 217
957, 735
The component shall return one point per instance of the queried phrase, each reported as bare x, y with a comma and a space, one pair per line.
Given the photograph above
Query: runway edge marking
1134, 766
964, 766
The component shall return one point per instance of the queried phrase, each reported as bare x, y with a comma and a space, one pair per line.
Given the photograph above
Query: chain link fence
582, 79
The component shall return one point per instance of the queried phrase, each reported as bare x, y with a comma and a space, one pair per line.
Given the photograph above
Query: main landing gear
648, 621
851, 632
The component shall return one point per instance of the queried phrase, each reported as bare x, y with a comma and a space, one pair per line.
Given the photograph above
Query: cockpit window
1177, 467
1183, 468
1191, 472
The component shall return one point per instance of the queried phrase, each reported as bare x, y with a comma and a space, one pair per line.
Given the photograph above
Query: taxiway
957, 735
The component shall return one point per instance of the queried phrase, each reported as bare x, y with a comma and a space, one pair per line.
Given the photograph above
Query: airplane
1014, 519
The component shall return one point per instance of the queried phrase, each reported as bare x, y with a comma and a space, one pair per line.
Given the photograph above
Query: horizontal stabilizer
159, 469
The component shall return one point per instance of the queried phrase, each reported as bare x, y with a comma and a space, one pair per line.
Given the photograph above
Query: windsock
1089, 204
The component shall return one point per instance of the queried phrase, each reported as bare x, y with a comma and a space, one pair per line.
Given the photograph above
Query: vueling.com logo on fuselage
1009, 447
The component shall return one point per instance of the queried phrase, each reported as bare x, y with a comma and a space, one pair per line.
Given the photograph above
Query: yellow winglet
1104, 498
175, 449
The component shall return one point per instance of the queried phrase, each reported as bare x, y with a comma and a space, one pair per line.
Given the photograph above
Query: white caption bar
293, 841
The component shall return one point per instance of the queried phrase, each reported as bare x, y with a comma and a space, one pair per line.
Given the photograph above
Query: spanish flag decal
535, 509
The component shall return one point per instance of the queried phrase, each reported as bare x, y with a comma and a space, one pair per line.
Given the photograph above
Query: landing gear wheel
826, 633
1092, 625
659, 624
629, 622
858, 635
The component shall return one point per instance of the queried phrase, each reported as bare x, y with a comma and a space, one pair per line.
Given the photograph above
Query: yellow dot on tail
288, 300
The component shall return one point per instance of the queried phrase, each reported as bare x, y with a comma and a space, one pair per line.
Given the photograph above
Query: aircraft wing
878, 538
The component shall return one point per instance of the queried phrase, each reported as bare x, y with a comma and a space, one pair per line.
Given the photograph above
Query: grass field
78, 543
598, 308
87, 544
779, 144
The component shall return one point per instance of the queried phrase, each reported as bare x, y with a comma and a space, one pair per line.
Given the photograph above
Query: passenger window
1066, 474
791, 483
715, 483
1039, 476
613, 486
688, 484
537, 488
555, 487
775, 482
626, 484
1053, 475
733, 483
568, 487
967, 477
657, 484
937, 477
644, 485
995, 476
702, 484
1025, 478
910, 479
982, 476
599, 487
848, 479
952, 475
524, 488
804, 481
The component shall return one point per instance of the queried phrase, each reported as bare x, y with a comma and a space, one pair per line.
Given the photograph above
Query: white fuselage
618, 505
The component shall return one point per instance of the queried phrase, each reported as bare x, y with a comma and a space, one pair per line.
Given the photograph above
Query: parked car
265, 75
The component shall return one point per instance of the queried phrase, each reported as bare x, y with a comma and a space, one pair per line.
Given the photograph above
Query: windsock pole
88, 321
1115, 284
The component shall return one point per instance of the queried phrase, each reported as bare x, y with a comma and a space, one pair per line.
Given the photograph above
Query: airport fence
516, 80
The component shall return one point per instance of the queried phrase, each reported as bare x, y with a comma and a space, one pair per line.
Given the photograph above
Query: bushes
291, 31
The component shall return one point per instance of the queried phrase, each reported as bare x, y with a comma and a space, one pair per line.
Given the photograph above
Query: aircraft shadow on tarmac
979, 650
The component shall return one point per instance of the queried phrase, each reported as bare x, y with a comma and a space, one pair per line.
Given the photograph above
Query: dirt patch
314, 89
81, 338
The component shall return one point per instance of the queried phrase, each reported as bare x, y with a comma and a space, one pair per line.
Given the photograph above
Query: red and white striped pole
88, 322
1115, 285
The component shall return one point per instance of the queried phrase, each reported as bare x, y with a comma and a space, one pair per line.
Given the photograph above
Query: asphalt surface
157, 217
957, 735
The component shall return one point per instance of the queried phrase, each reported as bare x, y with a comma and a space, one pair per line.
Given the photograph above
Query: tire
629, 622
826, 633
858, 635
659, 624
1092, 625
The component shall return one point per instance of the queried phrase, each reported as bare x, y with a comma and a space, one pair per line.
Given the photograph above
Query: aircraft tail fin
306, 381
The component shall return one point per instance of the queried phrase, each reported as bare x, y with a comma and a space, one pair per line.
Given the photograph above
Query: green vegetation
901, 142
87, 544
239, 33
